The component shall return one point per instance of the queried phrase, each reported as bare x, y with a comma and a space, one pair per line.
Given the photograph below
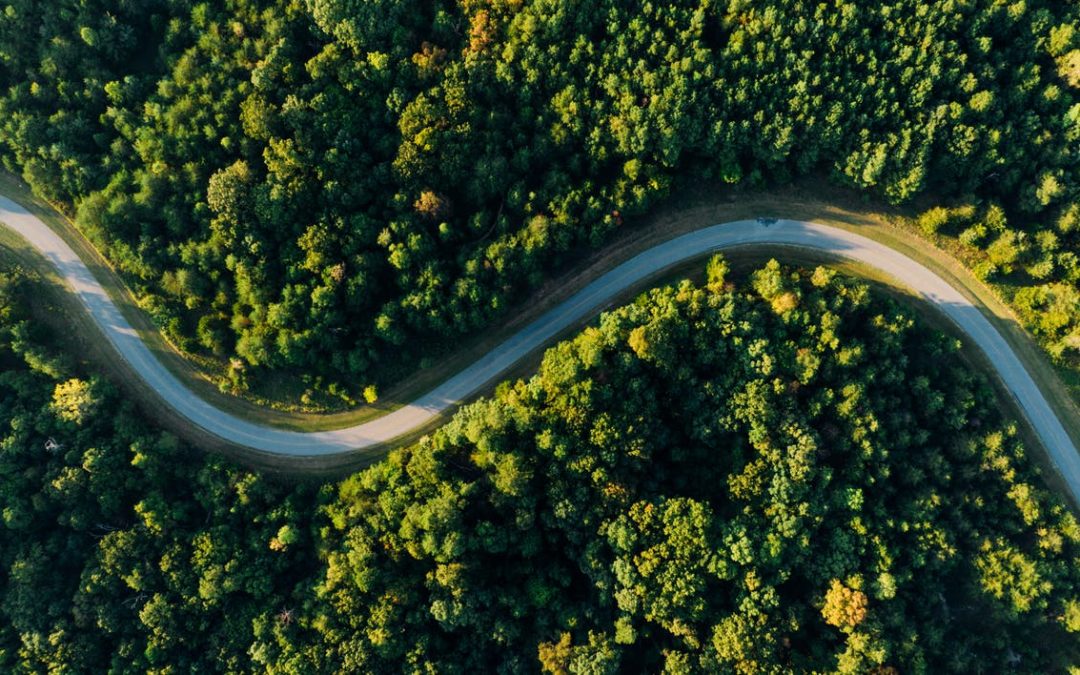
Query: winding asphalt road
583, 304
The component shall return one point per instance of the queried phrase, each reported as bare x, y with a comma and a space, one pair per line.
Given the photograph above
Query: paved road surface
580, 306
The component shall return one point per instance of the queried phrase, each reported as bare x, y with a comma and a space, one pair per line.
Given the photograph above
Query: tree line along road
763, 231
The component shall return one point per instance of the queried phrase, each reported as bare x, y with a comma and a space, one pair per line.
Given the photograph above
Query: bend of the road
932, 288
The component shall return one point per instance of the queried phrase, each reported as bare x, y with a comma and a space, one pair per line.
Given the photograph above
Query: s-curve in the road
580, 306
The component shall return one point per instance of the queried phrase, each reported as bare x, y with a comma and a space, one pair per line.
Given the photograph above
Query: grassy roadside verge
826, 205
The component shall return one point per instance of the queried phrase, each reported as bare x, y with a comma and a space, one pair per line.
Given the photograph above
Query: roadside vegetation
333, 189
782, 473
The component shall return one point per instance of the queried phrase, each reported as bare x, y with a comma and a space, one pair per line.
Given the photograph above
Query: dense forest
316, 185
832, 492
